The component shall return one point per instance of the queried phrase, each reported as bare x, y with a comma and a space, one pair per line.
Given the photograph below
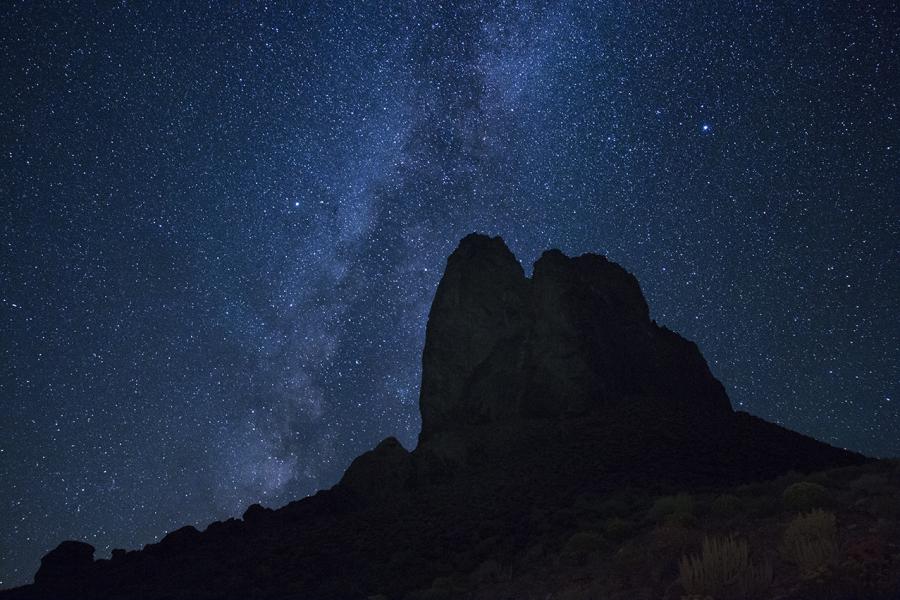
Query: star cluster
222, 225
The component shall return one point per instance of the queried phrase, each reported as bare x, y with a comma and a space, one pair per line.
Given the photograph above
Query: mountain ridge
534, 391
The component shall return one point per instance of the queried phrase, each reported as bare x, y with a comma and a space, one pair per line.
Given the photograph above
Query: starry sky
222, 226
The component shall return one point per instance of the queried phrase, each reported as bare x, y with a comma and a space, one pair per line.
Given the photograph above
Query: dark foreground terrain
570, 448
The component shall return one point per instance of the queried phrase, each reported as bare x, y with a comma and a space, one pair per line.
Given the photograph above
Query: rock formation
68, 561
534, 391
574, 341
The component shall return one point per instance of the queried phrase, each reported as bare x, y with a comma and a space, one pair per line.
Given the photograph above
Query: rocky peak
479, 307
382, 471
71, 560
535, 392
613, 290
575, 338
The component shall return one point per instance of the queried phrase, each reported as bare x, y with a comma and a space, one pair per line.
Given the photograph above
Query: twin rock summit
536, 393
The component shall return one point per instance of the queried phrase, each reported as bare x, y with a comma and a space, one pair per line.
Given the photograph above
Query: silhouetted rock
574, 339
118, 554
384, 471
521, 375
538, 395
480, 309
255, 513
70, 561
182, 538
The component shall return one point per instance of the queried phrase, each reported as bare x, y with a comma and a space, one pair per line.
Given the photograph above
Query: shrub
754, 581
872, 549
615, 506
680, 519
871, 483
868, 567
821, 478
810, 542
727, 505
617, 528
804, 496
764, 506
669, 505
581, 545
722, 561
882, 507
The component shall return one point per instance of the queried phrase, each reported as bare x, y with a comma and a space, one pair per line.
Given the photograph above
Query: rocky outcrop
536, 392
521, 376
478, 319
576, 339
68, 562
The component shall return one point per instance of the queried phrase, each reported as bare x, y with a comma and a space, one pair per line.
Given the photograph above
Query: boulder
68, 562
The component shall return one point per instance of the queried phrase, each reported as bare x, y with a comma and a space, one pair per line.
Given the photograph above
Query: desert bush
821, 477
754, 581
618, 505
648, 560
629, 562
871, 483
680, 519
581, 545
727, 505
723, 564
804, 496
870, 549
841, 476
756, 488
867, 568
764, 506
810, 542
666, 506
671, 540
617, 528
883, 507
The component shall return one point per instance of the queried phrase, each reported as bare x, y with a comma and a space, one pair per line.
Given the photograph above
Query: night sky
222, 226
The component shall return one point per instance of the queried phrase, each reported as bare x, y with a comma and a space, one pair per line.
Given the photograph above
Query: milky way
222, 227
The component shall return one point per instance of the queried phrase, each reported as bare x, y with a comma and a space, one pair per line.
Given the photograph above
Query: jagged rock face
574, 339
